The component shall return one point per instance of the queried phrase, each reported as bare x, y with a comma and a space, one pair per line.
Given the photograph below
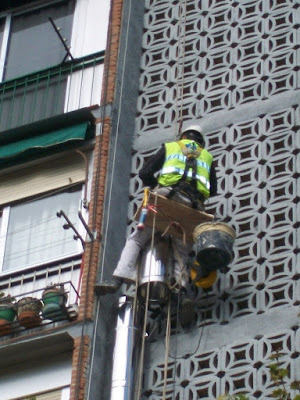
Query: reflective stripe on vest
175, 162
172, 170
182, 158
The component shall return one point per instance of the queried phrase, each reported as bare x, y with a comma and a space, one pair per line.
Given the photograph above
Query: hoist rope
115, 147
168, 334
141, 365
108, 57
188, 355
181, 54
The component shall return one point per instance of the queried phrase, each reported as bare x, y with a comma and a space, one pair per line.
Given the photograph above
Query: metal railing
49, 92
38, 308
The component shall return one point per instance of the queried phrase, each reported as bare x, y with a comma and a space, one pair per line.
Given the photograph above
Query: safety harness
188, 187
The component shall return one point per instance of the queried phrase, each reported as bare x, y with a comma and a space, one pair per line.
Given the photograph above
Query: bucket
214, 245
152, 271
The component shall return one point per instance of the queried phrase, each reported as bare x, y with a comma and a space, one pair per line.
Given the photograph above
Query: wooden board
174, 217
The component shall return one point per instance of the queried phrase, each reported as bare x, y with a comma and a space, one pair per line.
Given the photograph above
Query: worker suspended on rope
186, 175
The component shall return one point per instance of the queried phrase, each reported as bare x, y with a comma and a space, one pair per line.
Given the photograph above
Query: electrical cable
139, 387
114, 152
167, 346
188, 355
97, 178
181, 53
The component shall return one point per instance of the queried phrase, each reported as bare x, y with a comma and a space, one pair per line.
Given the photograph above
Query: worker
186, 173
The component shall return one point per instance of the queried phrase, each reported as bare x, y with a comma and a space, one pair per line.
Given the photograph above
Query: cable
168, 334
117, 136
97, 178
188, 355
181, 52
139, 387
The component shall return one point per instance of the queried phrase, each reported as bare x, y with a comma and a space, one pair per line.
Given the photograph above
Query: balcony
67, 87
30, 290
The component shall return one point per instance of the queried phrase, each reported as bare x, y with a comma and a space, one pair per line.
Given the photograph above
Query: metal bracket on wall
57, 30
69, 224
92, 235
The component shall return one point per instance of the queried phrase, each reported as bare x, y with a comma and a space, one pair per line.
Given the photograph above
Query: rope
114, 151
181, 52
181, 264
97, 183
168, 335
146, 307
187, 355
176, 225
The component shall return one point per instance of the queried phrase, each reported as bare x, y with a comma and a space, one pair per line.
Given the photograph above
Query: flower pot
54, 300
28, 310
7, 316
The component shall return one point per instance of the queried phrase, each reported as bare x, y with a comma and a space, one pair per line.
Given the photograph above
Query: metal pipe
86, 166
126, 359
153, 271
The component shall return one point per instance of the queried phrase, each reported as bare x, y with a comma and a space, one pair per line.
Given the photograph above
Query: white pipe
126, 359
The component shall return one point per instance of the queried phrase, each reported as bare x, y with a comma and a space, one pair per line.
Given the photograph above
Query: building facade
90, 89
54, 141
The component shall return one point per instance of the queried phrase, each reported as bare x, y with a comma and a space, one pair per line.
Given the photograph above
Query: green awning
44, 141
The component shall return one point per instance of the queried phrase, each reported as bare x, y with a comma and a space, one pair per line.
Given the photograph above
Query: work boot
188, 316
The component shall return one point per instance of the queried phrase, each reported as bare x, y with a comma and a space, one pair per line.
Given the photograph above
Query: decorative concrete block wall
233, 67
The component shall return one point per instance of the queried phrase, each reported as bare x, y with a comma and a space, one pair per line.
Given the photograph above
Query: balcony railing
25, 286
54, 91
38, 308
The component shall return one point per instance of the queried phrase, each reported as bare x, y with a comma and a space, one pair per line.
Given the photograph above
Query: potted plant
54, 299
28, 312
7, 313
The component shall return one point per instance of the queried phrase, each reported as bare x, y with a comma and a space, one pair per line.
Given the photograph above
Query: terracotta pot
28, 310
7, 316
5, 327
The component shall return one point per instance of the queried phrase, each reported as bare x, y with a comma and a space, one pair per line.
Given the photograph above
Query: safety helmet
195, 133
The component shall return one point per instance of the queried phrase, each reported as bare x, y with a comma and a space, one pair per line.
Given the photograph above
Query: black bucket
214, 245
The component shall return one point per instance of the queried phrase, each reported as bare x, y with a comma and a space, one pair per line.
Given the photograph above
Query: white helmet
196, 133
194, 128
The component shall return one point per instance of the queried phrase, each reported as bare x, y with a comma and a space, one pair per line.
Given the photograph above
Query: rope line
146, 306
187, 355
181, 51
167, 345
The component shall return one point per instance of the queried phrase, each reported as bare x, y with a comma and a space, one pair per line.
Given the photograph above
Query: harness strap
189, 188
188, 152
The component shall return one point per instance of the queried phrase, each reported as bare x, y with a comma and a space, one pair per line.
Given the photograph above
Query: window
29, 42
32, 233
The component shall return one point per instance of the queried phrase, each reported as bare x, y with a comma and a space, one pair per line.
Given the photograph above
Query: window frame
8, 16
4, 223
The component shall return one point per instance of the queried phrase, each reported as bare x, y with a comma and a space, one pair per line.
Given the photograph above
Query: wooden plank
174, 217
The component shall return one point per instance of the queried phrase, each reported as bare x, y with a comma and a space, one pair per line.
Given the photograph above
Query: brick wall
81, 353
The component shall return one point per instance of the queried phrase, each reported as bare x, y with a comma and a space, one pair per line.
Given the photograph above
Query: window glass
34, 45
2, 23
36, 235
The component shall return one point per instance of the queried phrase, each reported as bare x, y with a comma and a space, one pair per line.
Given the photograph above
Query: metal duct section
153, 271
126, 361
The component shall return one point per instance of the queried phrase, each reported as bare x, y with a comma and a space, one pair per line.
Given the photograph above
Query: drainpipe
126, 361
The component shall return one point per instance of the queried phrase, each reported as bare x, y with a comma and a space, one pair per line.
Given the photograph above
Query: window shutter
50, 175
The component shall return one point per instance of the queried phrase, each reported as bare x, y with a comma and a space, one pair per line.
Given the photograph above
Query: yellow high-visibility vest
174, 166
